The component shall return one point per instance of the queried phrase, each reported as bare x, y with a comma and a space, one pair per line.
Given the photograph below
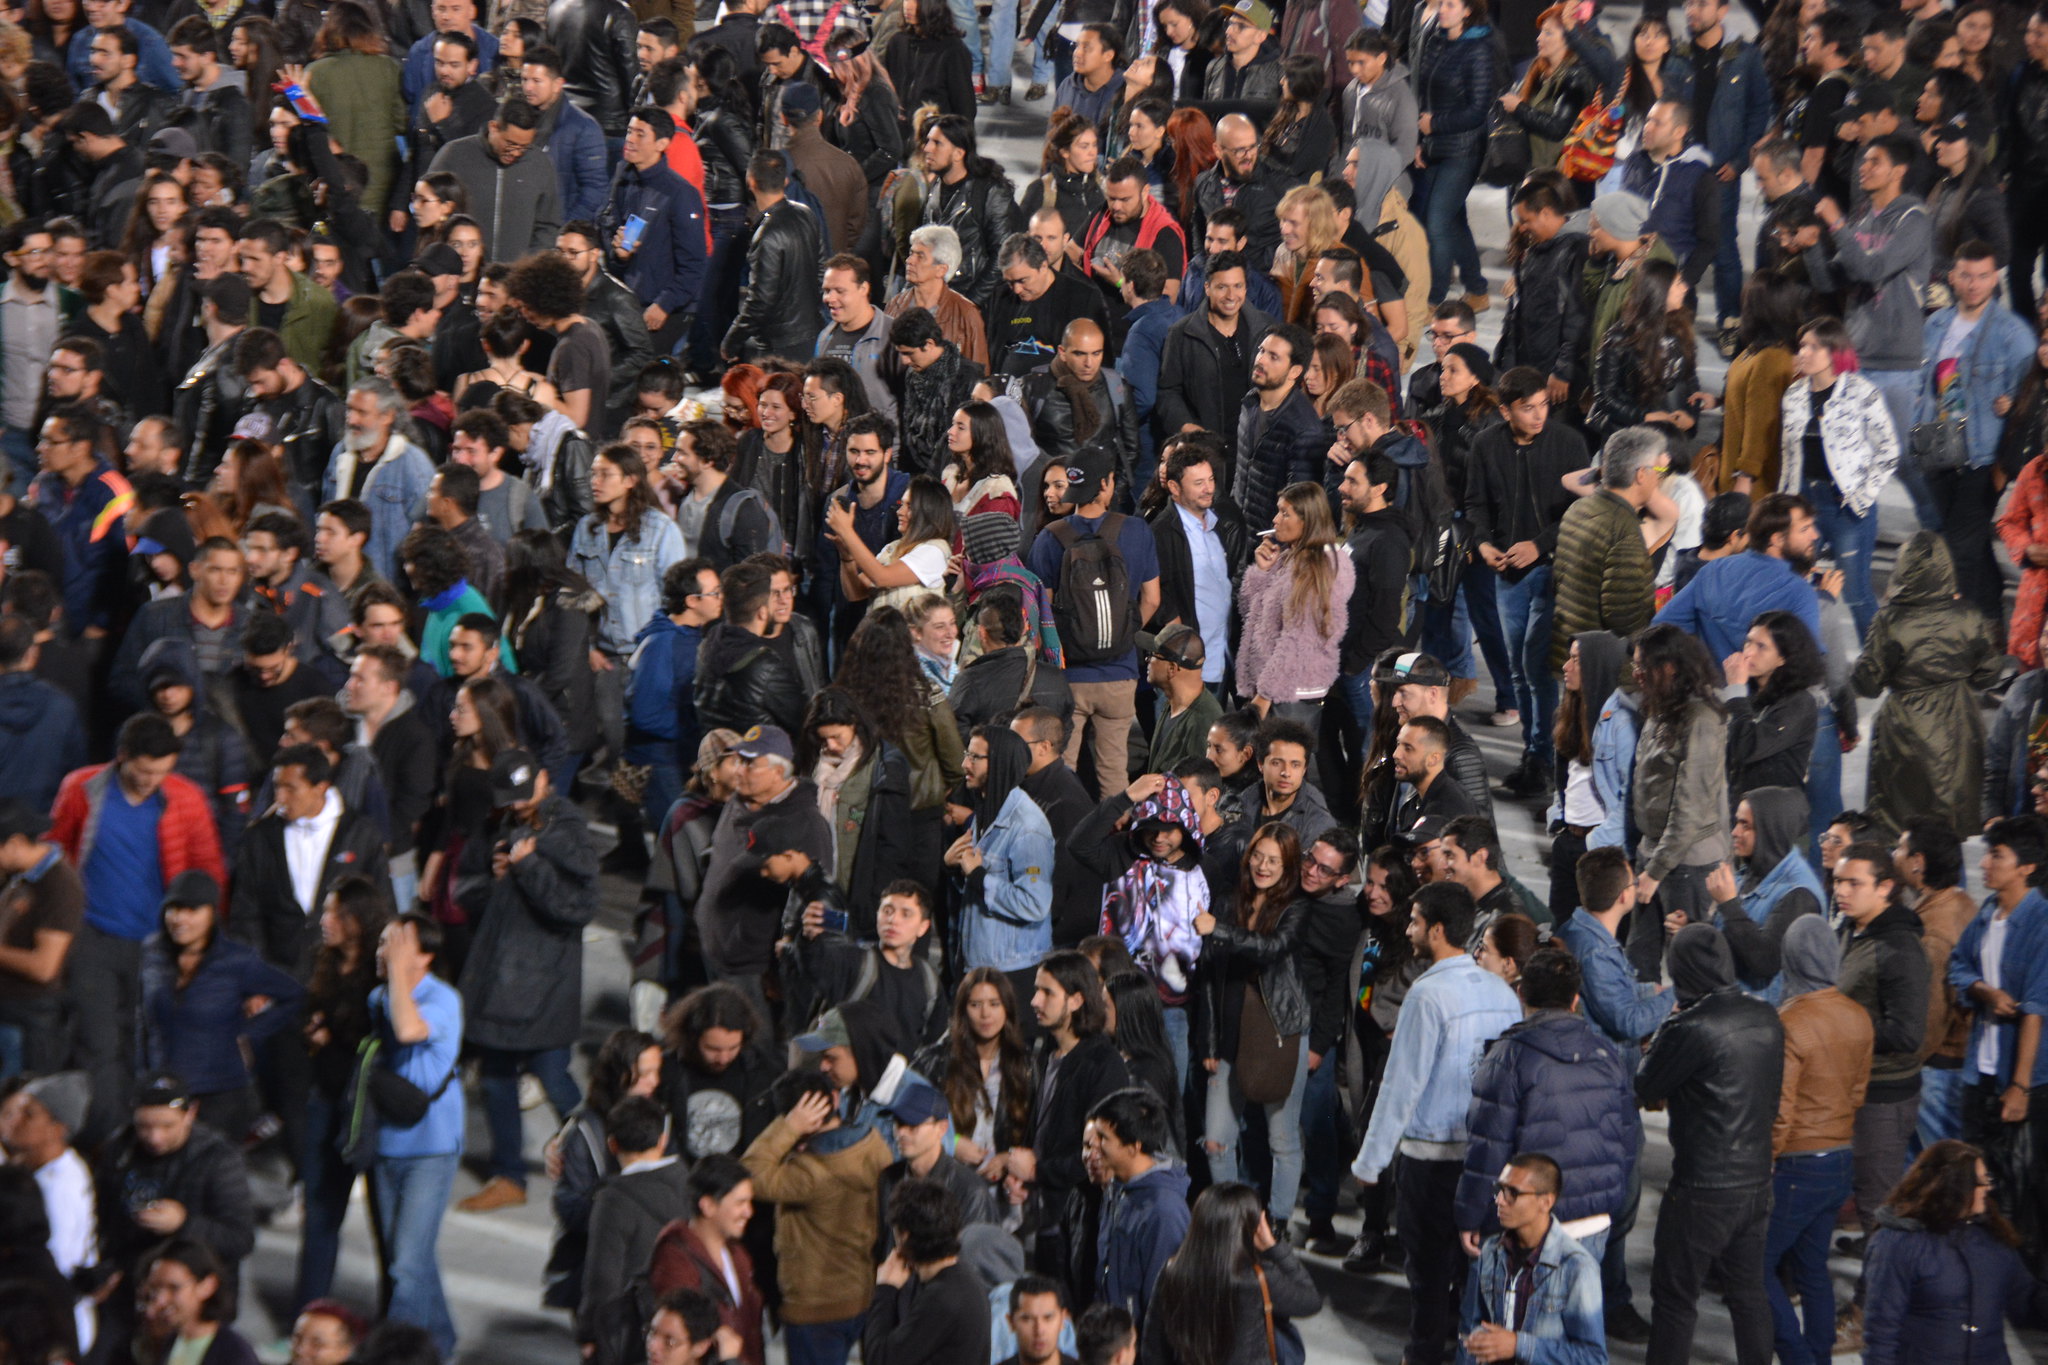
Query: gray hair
1627, 451
384, 391
784, 766
942, 242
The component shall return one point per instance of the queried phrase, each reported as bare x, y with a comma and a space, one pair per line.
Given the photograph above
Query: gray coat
522, 987
518, 206
1681, 792
1386, 114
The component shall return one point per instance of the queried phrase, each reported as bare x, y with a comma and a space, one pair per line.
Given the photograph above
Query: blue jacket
668, 267
1006, 919
40, 738
2023, 975
1564, 1323
1139, 1228
1455, 84
575, 144
1551, 1084
396, 492
1144, 340
428, 1065
197, 1031
627, 574
89, 522
1941, 1298
2006, 772
1727, 594
1626, 1008
1742, 108
661, 705
1614, 769
153, 61
1995, 357
1677, 213
416, 76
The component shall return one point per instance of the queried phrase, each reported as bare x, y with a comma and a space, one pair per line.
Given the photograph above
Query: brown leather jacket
1944, 915
1828, 1042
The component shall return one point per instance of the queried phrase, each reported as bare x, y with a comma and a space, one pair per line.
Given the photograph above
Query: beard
1802, 564
29, 280
361, 442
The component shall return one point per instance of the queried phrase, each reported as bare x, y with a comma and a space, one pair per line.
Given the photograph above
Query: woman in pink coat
1294, 600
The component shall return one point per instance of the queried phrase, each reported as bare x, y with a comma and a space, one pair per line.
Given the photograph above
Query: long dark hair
336, 987
1009, 759
1303, 80
1647, 326
880, 665
1802, 667
962, 1080
720, 72
935, 21
535, 569
497, 713
1140, 1022
1259, 910
611, 1071
990, 452
1939, 1189
1773, 306
261, 34
833, 706
1195, 1303
1641, 95
639, 497
1676, 670
350, 27
931, 512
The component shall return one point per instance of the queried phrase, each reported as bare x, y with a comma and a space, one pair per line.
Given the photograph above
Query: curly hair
880, 665
434, 560
1941, 1188
545, 283
1674, 669
1803, 666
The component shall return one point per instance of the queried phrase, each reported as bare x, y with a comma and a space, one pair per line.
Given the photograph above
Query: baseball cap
765, 741
1421, 670
1257, 13
1087, 467
166, 532
787, 826
801, 98
164, 1089
831, 1031
228, 292
175, 143
1955, 129
1426, 829
192, 888
513, 774
1180, 644
916, 1104
438, 259
19, 817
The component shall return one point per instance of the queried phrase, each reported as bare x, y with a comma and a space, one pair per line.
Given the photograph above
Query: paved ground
491, 1263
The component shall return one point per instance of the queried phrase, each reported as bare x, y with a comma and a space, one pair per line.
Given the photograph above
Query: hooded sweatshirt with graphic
1153, 906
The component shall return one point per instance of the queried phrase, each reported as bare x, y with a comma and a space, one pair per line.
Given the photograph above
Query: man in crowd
1145, 1212
510, 182
1205, 367
1039, 301
1499, 1320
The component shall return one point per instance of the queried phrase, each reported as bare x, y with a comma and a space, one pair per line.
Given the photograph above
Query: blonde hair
1319, 221
920, 608
1311, 560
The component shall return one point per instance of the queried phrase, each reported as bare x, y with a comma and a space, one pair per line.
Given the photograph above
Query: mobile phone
835, 920
629, 236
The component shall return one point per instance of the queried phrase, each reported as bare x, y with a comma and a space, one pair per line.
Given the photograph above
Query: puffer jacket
1602, 573
575, 146
1720, 1062
1552, 1083
522, 985
1547, 322
1681, 791
1283, 659
982, 211
1827, 1072
1929, 655
1455, 84
1292, 449
597, 40
1857, 439
1940, 1298
726, 140
781, 304
1279, 976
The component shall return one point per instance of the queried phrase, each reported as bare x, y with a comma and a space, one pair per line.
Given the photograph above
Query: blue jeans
1901, 389
1728, 258
1002, 43
328, 1181
1806, 1191
1443, 187
1824, 777
1852, 540
1526, 609
968, 21
1321, 1140
412, 1194
1177, 1043
821, 1343
664, 783
1942, 1090
1223, 1120
501, 1101
12, 1049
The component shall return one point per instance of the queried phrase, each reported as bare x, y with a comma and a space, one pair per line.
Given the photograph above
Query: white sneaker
532, 1094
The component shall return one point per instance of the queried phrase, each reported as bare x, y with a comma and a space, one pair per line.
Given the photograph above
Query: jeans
1967, 503
1824, 777
1526, 610
1002, 44
1728, 275
1434, 1260
1443, 186
412, 1194
664, 785
1177, 1043
968, 22
719, 300
20, 449
1566, 848
821, 1343
501, 1101
1852, 540
1884, 1128
1941, 1106
1283, 1133
1615, 1293
405, 889
328, 1181
1699, 1231
1806, 1190
1901, 389
1322, 1140
1481, 591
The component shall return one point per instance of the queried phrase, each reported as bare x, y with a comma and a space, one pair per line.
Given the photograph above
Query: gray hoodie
1812, 956
1385, 114
518, 205
1880, 260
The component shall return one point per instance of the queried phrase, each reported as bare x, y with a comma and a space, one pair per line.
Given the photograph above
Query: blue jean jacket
1623, 1007
1614, 769
1563, 1324
627, 574
1994, 360
2023, 976
1006, 922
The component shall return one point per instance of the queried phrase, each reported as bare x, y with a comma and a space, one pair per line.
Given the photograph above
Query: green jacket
309, 318
1607, 294
1601, 572
365, 111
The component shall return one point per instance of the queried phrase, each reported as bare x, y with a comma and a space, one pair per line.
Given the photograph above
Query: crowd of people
1004, 655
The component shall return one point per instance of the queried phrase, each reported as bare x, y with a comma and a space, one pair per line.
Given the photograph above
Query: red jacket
185, 836
681, 1261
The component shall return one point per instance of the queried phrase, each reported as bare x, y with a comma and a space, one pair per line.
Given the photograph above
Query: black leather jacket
308, 423
742, 680
779, 309
596, 38
1052, 418
207, 404
982, 211
1720, 1061
144, 109
1279, 978
567, 500
726, 141
611, 305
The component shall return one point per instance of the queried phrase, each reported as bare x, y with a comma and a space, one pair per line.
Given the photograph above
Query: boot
1368, 1254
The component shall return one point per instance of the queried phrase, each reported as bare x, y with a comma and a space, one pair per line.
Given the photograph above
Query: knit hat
1477, 361
1622, 215
801, 99
66, 1094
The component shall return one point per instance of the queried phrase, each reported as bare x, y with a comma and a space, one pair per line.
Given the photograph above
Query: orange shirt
686, 161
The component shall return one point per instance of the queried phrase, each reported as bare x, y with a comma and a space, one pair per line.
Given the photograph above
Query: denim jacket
1624, 1007
1452, 1011
1614, 771
628, 575
1006, 922
1995, 357
395, 490
1563, 1323
2024, 977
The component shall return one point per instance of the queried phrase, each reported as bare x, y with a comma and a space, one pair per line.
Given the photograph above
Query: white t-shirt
74, 1227
927, 559
1993, 950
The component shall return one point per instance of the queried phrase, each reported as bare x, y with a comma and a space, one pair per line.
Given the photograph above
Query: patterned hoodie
1153, 906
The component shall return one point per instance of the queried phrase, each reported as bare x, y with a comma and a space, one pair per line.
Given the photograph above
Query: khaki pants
1111, 706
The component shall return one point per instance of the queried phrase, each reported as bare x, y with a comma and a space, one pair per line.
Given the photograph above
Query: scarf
928, 411
447, 597
1087, 419
829, 775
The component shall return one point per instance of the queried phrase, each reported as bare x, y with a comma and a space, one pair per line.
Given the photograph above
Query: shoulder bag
1265, 1064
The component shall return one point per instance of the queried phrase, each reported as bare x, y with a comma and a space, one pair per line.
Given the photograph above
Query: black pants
1967, 502
1699, 1231
105, 975
1566, 848
1435, 1262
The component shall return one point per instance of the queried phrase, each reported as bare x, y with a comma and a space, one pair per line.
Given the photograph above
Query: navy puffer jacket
1940, 1298
1552, 1084
1456, 81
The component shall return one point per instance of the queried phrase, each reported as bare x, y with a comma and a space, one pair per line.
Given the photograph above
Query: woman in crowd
622, 550
1295, 599
1587, 787
465, 237
775, 454
1966, 204
1680, 789
1752, 426
1643, 367
1138, 1022
155, 241
627, 1063
1778, 885
682, 853
927, 62
357, 84
1193, 138
1257, 1015
1145, 121
1299, 140
436, 198
1179, 40
1388, 966
1374, 355
1330, 368
909, 711
869, 124
113, 292
1840, 447
1772, 729
1069, 177
1652, 72
935, 631
983, 1068
979, 474
51, 24
186, 1300
1986, 50
916, 562
1308, 227
1943, 1271
1003, 862
2023, 525
1929, 655
504, 337
1454, 84
1553, 93
337, 1021
1231, 1290
255, 50
863, 787
550, 619
203, 995
249, 483
1506, 946
454, 837
326, 1333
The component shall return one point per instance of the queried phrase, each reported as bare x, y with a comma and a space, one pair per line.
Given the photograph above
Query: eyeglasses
1448, 338
1321, 869
714, 592
1503, 1190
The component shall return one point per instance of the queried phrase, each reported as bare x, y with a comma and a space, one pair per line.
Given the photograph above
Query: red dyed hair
742, 389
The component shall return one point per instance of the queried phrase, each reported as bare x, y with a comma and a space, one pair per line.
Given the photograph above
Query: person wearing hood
40, 735
1588, 789
1144, 1213
1552, 1084
1930, 654
1004, 861
1929, 857
1778, 885
1378, 105
1156, 886
1719, 1062
1828, 1040
1675, 176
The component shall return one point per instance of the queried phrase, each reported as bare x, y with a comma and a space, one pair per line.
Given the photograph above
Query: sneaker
532, 1094
1849, 1330
1625, 1324
1730, 339
1501, 720
1369, 1254
1478, 303
1005, 93
1851, 1247
1035, 93
499, 1193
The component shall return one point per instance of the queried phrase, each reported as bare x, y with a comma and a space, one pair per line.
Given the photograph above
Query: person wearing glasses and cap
1250, 70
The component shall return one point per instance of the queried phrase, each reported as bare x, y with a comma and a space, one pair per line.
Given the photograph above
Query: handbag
1939, 447
1508, 159
1284, 1345
1591, 148
378, 1097
1265, 1063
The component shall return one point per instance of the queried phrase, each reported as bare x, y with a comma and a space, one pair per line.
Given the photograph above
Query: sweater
1286, 657
518, 206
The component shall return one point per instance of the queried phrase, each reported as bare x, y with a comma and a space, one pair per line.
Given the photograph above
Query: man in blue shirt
418, 1017
416, 77
153, 66
663, 263
1996, 972
1105, 688
1725, 596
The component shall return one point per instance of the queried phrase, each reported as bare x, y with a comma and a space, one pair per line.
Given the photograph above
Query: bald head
1081, 348
1237, 145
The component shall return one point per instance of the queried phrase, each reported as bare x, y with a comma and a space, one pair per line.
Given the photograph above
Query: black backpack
1092, 605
